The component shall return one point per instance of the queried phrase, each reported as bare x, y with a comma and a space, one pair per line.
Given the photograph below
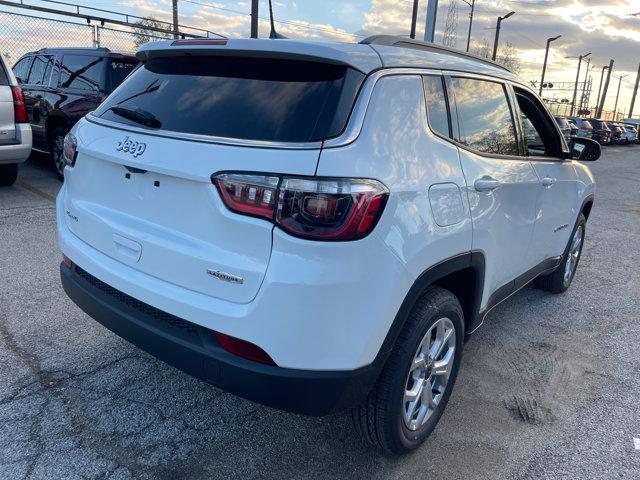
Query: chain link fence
20, 34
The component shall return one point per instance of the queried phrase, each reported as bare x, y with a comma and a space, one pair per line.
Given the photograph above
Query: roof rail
80, 49
404, 42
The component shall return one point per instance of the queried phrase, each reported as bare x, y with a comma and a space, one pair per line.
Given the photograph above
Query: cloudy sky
606, 28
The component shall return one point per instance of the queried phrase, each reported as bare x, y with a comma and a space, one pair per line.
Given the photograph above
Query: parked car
61, 85
601, 132
565, 128
15, 132
616, 133
342, 241
632, 132
585, 129
628, 133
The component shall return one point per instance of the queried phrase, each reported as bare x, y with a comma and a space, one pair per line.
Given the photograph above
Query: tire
8, 174
56, 141
382, 418
560, 279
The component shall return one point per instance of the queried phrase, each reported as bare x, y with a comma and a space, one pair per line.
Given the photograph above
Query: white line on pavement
636, 443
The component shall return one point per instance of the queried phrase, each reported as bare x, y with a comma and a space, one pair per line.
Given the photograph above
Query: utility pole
414, 19
175, 19
615, 108
472, 4
430, 26
495, 41
584, 86
603, 96
546, 56
575, 87
635, 92
254, 18
600, 86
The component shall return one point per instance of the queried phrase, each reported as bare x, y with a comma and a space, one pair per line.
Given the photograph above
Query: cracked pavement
549, 386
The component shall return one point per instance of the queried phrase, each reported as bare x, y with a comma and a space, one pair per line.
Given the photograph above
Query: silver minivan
15, 131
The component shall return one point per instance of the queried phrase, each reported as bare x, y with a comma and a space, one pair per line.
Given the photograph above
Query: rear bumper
19, 151
193, 349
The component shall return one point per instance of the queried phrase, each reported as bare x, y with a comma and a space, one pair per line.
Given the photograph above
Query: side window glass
82, 72
540, 136
486, 123
21, 69
40, 70
437, 111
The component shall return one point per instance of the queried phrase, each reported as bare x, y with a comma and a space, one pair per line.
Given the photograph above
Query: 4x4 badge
131, 146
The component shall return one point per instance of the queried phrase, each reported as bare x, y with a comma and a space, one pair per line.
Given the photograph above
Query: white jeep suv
15, 131
318, 226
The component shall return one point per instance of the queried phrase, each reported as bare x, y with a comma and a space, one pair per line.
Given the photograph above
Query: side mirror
584, 149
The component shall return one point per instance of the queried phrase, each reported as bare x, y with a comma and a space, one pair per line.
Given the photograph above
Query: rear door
7, 125
502, 186
141, 190
37, 84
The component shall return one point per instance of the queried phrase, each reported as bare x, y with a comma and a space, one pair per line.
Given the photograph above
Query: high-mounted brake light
19, 107
199, 41
313, 208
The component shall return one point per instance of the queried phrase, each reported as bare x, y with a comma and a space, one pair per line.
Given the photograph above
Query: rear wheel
8, 174
414, 387
560, 279
56, 146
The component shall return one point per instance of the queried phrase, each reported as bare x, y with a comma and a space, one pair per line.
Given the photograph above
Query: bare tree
450, 36
507, 54
142, 34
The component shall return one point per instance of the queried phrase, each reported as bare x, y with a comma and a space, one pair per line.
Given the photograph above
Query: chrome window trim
237, 142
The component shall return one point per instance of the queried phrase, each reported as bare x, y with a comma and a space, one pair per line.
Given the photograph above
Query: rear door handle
486, 184
548, 181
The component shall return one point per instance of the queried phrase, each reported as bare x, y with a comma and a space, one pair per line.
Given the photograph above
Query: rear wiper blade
137, 115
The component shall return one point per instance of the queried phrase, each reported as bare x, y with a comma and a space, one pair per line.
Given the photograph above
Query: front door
559, 200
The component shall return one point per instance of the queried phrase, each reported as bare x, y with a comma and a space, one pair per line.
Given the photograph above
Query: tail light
243, 349
312, 208
19, 107
69, 149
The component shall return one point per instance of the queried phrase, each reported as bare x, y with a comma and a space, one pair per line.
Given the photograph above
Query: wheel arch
462, 275
587, 204
56, 120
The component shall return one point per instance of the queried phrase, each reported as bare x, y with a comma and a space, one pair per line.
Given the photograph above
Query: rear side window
40, 70
586, 124
244, 98
437, 110
118, 71
486, 123
82, 72
21, 69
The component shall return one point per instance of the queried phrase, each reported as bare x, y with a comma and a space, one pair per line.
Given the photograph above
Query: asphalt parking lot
549, 386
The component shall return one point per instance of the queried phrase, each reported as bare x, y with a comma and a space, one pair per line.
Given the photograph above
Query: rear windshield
245, 98
586, 124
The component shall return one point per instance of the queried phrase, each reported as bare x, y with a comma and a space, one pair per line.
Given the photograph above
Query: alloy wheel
429, 373
573, 254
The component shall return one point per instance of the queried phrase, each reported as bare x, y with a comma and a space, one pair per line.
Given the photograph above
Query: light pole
495, 42
575, 87
254, 18
615, 108
430, 24
175, 19
472, 4
635, 92
546, 56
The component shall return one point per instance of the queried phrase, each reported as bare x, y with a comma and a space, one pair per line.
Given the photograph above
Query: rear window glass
246, 98
586, 124
118, 71
81, 72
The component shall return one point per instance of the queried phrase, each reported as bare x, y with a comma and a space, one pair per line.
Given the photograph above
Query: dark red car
61, 85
